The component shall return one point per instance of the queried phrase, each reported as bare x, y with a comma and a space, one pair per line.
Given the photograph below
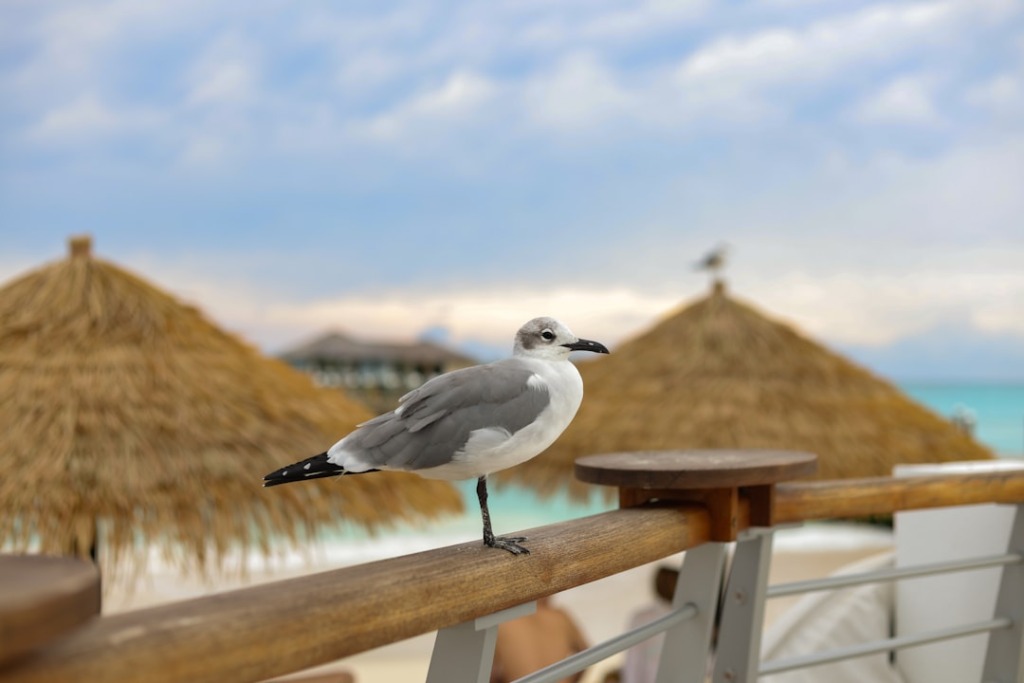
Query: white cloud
781, 55
973, 288
463, 93
222, 113
591, 25
225, 74
256, 309
870, 253
204, 151
578, 93
576, 80
488, 315
87, 118
879, 309
1003, 313
455, 101
879, 251
906, 100
642, 18
834, 305
72, 43
352, 32
369, 69
82, 116
760, 75
1002, 95
914, 245
229, 83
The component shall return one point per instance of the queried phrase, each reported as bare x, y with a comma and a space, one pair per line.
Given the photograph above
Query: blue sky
388, 168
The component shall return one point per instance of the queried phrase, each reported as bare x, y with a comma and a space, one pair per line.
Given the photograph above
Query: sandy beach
799, 554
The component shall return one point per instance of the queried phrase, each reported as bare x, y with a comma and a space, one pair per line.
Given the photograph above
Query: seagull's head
548, 338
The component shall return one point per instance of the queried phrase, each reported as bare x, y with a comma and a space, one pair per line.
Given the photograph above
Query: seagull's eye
547, 335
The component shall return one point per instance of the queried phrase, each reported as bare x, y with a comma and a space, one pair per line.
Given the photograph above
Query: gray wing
435, 420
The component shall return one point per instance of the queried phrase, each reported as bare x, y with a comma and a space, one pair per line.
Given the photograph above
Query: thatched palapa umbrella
718, 374
127, 419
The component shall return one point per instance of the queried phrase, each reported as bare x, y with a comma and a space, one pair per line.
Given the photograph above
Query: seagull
714, 260
468, 423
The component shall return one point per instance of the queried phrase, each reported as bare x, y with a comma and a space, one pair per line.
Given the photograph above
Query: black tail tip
315, 467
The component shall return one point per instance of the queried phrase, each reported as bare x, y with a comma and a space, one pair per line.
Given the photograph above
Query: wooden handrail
272, 629
805, 501
281, 627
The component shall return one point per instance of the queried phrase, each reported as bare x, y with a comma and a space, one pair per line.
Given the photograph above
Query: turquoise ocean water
997, 408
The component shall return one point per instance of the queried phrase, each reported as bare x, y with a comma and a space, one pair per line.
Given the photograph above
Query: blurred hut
374, 372
719, 374
129, 421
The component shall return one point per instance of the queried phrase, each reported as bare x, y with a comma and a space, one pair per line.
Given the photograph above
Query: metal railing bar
596, 653
880, 575
876, 646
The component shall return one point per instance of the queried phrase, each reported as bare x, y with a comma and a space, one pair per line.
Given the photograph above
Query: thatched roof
338, 347
718, 374
124, 410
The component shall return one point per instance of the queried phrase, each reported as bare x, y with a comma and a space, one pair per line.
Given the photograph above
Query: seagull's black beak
586, 345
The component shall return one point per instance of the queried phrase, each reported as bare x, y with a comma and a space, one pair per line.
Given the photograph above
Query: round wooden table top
42, 598
694, 469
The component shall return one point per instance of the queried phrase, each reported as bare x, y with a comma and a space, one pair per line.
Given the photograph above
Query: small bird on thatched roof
715, 259
468, 423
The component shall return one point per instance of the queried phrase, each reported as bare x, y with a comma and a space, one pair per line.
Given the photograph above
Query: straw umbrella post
719, 374
128, 420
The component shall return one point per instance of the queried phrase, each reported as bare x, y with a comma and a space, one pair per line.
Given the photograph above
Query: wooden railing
276, 628
806, 501
264, 631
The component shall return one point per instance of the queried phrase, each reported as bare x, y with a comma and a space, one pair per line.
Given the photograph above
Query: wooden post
728, 484
724, 482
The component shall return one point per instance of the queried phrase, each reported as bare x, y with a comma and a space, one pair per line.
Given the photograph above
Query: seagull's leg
510, 544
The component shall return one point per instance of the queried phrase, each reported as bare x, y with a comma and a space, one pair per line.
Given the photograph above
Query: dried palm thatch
718, 374
128, 420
